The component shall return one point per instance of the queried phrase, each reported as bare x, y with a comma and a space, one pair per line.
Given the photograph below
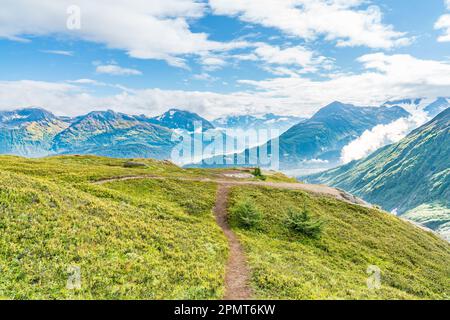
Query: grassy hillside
136, 239
158, 238
412, 174
285, 265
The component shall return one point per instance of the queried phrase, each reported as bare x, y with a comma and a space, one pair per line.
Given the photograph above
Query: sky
220, 57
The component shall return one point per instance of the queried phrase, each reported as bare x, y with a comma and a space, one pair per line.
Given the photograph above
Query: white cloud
212, 63
444, 23
59, 52
382, 135
115, 70
85, 81
344, 22
203, 77
156, 29
386, 77
297, 56
74, 99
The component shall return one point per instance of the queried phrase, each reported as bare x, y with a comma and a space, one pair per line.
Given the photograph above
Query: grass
158, 239
288, 265
131, 239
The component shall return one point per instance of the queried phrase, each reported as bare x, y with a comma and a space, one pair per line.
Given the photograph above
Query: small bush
257, 172
132, 164
246, 214
302, 223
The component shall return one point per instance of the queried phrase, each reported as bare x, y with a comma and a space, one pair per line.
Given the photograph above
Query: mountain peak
26, 115
399, 102
176, 118
333, 108
437, 106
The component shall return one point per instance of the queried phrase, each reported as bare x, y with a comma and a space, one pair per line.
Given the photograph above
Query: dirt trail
313, 188
237, 274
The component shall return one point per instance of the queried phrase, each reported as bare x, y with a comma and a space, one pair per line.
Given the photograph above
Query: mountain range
29, 132
318, 141
35, 132
108, 133
410, 178
270, 120
321, 138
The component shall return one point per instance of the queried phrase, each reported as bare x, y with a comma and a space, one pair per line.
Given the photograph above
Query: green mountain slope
115, 135
329, 130
181, 119
158, 238
322, 137
404, 176
28, 132
286, 265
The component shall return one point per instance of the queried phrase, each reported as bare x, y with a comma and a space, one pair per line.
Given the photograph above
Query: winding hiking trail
311, 188
237, 272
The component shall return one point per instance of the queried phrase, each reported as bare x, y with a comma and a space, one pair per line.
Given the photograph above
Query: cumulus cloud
74, 98
115, 70
385, 77
297, 56
156, 29
382, 135
59, 52
345, 22
444, 23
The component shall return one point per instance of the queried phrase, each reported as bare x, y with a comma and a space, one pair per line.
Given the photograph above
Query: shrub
133, 164
246, 214
302, 223
257, 172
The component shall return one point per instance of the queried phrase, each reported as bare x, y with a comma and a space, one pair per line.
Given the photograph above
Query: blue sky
220, 56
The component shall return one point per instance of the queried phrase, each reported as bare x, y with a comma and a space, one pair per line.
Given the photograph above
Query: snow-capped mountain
28, 132
432, 106
267, 121
437, 106
181, 119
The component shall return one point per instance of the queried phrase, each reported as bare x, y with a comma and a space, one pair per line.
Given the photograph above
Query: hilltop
146, 229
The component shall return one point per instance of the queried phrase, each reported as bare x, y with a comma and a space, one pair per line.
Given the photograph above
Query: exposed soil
237, 275
312, 188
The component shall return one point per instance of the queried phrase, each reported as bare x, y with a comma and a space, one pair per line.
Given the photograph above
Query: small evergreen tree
301, 222
246, 214
257, 172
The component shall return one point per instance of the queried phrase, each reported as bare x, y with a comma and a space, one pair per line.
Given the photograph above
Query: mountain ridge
403, 176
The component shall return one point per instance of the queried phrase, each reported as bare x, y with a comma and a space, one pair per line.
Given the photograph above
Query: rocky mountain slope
411, 177
29, 132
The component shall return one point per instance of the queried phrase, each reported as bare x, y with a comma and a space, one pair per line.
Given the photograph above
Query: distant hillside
108, 133
411, 177
180, 119
322, 137
438, 106
34, 132
330, 129
28, 132
268, 121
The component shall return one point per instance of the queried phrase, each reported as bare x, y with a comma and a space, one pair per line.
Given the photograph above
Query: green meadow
158, 238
